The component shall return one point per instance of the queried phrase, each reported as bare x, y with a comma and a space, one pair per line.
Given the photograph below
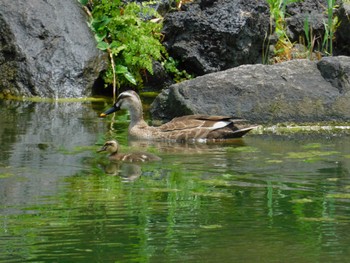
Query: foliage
131, 34
310, 40
171, 66
285, 49
283, 46
330, 28
132, 41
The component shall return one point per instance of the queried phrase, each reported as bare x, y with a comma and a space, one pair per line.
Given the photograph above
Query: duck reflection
129, 172
188, 147
127, 165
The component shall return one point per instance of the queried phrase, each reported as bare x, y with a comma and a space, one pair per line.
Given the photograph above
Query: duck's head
110, 147
127, 100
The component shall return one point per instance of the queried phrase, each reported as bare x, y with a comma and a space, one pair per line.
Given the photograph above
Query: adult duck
186, 128
112, 147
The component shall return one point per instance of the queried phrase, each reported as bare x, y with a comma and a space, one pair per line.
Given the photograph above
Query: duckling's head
128, 100
110, 147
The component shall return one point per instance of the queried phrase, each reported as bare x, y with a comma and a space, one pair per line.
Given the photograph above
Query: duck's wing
199, 122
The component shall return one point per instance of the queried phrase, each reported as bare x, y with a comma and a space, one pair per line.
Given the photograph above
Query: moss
38, 99
314, 127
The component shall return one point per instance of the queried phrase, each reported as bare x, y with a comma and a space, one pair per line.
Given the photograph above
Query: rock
298, 12
158, 80
213, 35
343, 31
293, 91
47, 49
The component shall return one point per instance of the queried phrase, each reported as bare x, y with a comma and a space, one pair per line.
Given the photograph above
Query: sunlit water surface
265, 198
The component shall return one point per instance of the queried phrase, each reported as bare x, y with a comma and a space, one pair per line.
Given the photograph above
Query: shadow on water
264, 198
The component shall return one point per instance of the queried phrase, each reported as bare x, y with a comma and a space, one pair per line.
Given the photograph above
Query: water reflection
37, 145
262, 198
129, 172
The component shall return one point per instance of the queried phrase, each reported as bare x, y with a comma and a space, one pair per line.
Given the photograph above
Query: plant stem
330, 25
114, 74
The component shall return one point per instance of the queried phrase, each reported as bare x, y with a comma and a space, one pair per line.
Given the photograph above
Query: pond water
264, 198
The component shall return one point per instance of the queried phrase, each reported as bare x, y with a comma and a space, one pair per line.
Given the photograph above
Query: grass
285, 50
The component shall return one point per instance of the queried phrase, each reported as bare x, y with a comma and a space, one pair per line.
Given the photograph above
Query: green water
266, 198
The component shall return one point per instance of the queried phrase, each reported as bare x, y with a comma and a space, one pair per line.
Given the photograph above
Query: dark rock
213, 35
47, 49
293, 91
343, 31
336, 70
298, 12
158, 80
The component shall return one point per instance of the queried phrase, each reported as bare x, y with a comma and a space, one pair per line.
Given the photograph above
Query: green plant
131, 38
330, 27
310, 39
308, 35
283, 46
171, 66
285, 49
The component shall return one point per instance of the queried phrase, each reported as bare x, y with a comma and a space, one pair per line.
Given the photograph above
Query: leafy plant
283, 46
330, 28
131, 38
310, 39
285, 49
171, 66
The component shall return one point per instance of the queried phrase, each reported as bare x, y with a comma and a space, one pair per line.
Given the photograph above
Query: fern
132, 40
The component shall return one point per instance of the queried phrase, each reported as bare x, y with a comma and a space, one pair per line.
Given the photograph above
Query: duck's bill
103, 148
109, 111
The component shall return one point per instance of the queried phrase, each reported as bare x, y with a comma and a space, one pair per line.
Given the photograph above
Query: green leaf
99, 24
84, 2
130, 77
116, 48
120, 69
102, 45
100, 36
306, 30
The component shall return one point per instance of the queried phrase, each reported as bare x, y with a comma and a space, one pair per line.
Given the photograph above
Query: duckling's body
112, 148
186, 128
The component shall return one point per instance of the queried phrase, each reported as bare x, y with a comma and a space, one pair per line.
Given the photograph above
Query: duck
112, 148
180, 129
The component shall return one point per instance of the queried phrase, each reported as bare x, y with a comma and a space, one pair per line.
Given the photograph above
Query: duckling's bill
102, 149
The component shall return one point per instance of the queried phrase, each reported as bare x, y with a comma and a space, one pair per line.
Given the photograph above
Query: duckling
186, 128
112, 148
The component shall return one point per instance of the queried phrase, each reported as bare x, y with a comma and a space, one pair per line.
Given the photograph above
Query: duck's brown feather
196, 122
185, 128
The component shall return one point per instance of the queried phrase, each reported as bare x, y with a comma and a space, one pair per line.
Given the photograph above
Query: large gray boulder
213, 35
293, 91
47, 49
